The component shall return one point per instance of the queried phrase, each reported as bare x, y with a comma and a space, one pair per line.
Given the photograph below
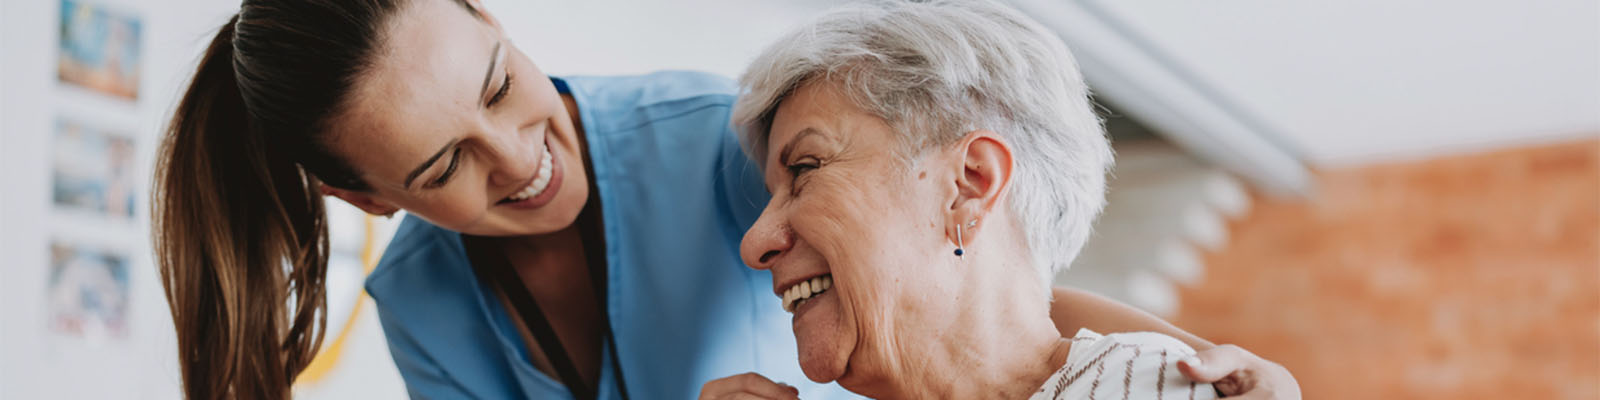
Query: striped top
1140, 365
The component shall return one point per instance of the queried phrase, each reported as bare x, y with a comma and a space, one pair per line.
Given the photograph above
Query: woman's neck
555, 270
999, 344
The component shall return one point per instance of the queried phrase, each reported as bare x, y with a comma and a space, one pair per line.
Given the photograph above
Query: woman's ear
364, 201
986, 167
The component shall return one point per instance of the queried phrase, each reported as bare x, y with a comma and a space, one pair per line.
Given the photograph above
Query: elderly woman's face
849, 217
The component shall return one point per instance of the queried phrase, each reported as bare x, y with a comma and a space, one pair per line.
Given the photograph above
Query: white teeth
799, 293
540, 181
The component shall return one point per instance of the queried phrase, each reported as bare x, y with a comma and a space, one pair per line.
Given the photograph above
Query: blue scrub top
677, 195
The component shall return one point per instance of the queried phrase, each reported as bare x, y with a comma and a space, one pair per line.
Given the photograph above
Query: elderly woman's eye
798, 168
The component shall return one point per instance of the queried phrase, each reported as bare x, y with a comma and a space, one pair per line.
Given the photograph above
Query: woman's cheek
459, 212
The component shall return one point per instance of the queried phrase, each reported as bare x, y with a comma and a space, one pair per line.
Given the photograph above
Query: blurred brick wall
1473, 276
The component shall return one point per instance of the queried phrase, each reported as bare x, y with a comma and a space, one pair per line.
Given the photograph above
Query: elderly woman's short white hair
937, 70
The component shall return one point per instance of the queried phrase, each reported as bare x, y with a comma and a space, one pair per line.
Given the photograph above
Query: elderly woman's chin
822, 337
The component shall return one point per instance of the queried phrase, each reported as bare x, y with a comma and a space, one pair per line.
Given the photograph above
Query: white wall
36, 364
601, 37
623, 37
1358, 81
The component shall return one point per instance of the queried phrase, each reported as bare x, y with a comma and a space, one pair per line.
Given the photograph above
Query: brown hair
241, 235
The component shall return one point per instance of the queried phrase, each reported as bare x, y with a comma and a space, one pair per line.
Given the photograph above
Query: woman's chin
820, 369
818, 333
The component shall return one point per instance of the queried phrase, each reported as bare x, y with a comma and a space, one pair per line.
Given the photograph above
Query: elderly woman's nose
765, 241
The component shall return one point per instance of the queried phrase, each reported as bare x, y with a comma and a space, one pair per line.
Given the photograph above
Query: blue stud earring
959, 243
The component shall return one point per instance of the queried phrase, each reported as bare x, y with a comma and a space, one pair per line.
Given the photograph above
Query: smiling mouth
798, 294
538, 184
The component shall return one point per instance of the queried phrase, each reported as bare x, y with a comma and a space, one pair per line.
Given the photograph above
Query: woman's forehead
429, 62
813, 108
420, 91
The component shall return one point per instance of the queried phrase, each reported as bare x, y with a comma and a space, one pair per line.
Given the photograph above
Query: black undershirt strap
591, 229
492, 267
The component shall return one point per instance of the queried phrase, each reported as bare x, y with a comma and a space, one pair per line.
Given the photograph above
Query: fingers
1255, 395
1212, 365
1262, 391
1239, 374
748, 385
1268, 380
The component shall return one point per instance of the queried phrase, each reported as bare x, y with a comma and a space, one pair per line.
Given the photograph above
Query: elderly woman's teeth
540, 181
799, 293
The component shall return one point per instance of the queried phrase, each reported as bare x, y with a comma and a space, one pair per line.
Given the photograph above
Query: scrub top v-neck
677, 195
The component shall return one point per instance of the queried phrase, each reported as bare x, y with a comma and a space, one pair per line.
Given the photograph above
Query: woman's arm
1233, 370
1074, 309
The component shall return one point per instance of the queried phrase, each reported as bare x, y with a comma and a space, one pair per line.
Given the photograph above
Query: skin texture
905, 317
1074, 309
424, 91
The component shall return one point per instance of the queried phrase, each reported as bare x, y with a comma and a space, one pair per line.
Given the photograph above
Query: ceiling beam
1129, 73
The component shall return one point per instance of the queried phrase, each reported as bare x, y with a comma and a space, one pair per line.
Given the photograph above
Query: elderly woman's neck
999, 344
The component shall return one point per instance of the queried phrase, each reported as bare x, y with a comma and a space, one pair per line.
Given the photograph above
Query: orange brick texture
1464, 277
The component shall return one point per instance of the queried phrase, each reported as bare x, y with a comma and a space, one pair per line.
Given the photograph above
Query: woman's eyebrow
494, 60
783, 155
412, 176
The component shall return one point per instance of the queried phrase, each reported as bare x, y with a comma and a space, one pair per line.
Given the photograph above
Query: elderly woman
932, 166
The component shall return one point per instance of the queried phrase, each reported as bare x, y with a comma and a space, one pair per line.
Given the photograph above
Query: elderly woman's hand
1239, 374
749, 385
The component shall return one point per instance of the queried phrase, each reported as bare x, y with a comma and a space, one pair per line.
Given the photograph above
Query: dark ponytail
240, 234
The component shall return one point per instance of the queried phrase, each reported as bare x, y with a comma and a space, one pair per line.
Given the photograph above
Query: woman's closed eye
449, 171
799, 168
455, 157
504, 88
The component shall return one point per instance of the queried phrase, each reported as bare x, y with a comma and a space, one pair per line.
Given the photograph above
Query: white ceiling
633, 37
1332, 82
1364, 80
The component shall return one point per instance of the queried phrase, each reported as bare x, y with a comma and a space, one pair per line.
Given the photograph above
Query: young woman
567, 237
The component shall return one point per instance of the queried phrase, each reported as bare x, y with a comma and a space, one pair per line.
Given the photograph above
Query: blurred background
1393, 199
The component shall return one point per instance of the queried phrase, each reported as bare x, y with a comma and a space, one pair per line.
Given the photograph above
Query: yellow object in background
329, 357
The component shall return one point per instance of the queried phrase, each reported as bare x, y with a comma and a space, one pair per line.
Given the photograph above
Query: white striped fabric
1124, 366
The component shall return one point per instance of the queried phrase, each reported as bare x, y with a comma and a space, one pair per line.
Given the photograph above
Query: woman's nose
513, 157
768, 239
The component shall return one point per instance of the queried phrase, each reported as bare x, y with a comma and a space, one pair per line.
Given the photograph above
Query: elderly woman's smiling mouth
803, 291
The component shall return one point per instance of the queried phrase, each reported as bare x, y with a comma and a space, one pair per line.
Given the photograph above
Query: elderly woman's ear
986, 166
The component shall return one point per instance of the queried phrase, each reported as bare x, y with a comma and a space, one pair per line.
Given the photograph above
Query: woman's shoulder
621, 102
415, 242
1124, 365
1141, 341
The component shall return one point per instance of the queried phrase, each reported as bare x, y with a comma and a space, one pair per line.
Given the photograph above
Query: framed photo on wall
92, 171
99, 49
87, 294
